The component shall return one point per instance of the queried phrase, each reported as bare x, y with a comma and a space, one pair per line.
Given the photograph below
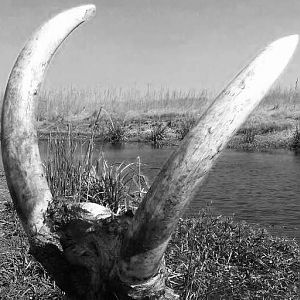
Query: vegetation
21, 277
295, 144
158, 133
92, 179
184, 126
213, 257
209, 257
132, 115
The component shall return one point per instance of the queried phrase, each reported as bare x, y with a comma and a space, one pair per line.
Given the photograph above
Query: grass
209, 257
71, 103
295, 143
127, 114
21, 277
157, 134
88, 178
184, 126
134, 115
213, 257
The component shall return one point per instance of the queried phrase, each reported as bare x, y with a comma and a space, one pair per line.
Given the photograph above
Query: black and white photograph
150, 150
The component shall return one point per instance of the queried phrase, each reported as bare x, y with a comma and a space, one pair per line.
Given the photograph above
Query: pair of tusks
181, 176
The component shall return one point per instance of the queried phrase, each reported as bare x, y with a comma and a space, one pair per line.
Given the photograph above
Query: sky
178, 44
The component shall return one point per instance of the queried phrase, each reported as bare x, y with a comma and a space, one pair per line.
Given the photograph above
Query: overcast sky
184, 44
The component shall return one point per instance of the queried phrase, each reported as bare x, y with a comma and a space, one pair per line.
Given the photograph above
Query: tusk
20, 153
184, 172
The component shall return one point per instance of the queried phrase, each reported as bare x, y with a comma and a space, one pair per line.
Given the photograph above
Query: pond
256, 187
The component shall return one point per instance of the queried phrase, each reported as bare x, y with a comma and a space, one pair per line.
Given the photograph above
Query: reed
158, 134
116, 130
131, 111
63, 103
73, 172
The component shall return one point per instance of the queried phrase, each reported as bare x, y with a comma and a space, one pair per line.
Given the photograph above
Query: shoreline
163, 117
270, 141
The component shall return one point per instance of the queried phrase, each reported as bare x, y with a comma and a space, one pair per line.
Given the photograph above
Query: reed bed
71, 101
134, 115
67, 103
80, 177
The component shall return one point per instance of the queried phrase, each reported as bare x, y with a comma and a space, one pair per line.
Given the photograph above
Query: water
258, 188
255, 187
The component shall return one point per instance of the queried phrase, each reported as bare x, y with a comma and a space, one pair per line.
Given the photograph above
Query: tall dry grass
73, 101
70, 101
134, 114
74, 172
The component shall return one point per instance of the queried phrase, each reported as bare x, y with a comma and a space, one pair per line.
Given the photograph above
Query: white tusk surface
186, 169
20, 152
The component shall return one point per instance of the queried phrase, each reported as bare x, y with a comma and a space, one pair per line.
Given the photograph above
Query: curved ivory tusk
20, 152
186, 169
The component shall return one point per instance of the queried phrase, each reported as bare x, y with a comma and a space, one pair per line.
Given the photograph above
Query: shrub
116, 132
158, 134
295, 143
184, 126
249, 136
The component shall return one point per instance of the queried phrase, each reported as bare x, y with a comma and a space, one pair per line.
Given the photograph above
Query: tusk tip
90, 10
287, 43
83, 12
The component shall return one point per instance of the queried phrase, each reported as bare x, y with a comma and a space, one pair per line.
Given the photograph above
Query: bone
21, 159
187, 168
